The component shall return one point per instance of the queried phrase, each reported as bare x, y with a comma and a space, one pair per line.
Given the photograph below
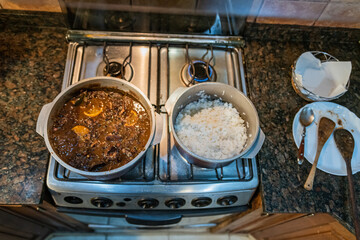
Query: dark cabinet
35, 222
283, 226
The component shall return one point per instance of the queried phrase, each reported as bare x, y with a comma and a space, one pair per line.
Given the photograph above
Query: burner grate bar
220, 177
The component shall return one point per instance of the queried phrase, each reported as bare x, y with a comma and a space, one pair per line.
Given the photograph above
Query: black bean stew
99, 130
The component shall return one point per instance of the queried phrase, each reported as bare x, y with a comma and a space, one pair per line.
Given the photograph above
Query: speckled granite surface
31, 66
269, 54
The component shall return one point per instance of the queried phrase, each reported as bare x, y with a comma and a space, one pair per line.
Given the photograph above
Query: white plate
330, 159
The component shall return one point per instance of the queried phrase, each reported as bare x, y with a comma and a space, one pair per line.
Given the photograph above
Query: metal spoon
306, 119
326, 127
345, 143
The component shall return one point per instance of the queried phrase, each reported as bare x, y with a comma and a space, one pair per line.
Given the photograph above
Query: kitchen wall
31, 5
331, 13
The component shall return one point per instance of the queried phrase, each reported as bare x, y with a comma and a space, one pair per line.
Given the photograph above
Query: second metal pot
183, 96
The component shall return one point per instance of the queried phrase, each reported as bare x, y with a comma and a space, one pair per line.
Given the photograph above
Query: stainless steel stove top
164, 180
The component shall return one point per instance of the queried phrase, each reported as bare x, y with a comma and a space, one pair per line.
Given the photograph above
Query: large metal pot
183, 96
46, 116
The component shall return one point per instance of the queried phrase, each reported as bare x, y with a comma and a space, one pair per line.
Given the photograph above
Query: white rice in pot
211, 128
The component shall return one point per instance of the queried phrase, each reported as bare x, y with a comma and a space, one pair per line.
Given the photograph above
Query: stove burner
197, 72
114, 69
201, 74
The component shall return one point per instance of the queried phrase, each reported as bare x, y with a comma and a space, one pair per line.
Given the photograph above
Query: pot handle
158, 129
173, 98
256, 147
41, 121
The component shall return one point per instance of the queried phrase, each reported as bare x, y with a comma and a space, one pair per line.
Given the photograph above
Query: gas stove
157, 64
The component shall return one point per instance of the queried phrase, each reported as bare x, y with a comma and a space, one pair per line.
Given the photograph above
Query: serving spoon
345, 143
326, 127
306, 118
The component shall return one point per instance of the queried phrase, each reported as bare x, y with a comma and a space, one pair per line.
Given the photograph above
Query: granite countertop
31, 68
269, 53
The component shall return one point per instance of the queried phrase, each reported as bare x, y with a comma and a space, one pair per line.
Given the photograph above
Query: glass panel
209, 17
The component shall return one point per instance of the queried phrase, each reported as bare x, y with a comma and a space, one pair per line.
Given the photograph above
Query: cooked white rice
211, 128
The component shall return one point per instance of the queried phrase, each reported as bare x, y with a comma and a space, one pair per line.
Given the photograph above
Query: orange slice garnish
94, 108
93, 112
80, 130
131, 119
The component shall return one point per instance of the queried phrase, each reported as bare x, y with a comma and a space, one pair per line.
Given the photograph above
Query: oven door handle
153, 219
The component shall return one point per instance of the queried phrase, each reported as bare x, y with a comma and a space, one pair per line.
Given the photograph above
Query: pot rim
216, 161
115, 170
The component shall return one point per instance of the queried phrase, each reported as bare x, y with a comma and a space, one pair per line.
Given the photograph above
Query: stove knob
73, 200
148, 203
101, 202
227, 200
175, 203
201, 202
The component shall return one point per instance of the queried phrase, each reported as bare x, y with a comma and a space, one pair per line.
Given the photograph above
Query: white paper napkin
327, 79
